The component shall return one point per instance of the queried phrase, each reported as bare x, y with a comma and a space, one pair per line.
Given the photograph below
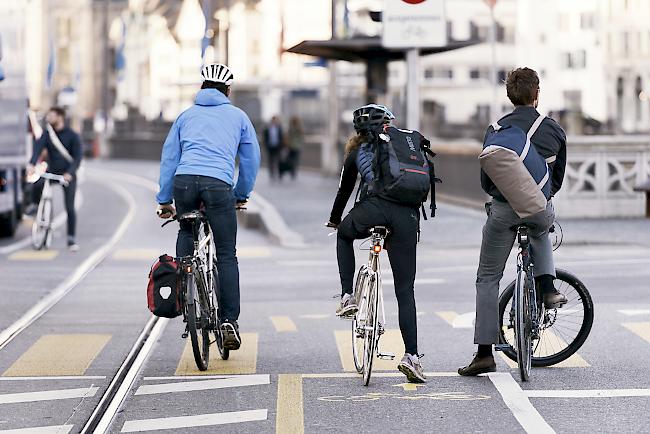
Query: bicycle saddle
380, 230
522, 226
192, 215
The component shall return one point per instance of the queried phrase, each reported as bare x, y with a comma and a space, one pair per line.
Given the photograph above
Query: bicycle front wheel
372, 329
359, 320
523, 325
196, 323
562, 331
42, 226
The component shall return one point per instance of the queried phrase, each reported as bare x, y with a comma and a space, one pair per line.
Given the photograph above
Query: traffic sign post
414, 24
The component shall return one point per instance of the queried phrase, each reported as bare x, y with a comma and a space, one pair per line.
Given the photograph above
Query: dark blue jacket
55, 161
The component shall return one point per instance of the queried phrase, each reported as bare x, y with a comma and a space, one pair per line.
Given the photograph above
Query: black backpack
403, 168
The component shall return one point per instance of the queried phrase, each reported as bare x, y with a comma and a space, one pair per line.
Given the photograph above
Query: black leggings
403, 223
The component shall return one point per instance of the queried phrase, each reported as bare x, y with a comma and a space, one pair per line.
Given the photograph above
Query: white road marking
315, 316
604, 393
634, 312
190, 386
464, 321
86, 267
54, 429
307, 263
517, 401
194, 421
65, 377
376, 374
47, 395
423, 281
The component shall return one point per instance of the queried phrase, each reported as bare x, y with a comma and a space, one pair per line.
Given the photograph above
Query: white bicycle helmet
218, 73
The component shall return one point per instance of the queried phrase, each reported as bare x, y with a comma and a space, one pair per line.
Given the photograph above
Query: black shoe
554, 300
230, 335
30, 210
479, 365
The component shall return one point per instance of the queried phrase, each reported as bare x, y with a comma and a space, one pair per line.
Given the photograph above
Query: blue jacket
205, 140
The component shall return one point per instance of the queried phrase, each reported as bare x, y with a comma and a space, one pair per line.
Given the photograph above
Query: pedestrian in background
295, 143
273, 141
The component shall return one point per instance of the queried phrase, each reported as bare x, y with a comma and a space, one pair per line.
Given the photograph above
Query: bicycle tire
358, 322
41, 227
572, 347
522, 326
199, 335
372, 331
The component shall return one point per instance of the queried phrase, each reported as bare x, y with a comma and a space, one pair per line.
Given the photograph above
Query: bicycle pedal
386, 356
501, 347
184, 335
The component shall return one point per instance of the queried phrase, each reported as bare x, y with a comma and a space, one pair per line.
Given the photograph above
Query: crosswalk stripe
194, 421
59, 355
47, 395
641, 329
390, 342
283, 324
191, 386
136, 254
33, 255
634, 312
54, 429
290, 417
242, 361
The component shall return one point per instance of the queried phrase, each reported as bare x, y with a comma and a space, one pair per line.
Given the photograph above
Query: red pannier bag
163, 290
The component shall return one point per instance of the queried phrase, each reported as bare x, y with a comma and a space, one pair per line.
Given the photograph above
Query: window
438, 73
503, 74
587, 21
479, 74
574, 59
626, 43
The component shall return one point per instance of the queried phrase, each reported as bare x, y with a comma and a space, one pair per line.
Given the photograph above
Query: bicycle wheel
359, 320
196, 323
224, 353
522, 325
41, 228
371, 334
562, 331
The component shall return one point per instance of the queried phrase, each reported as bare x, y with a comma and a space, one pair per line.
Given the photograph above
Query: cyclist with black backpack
396, 177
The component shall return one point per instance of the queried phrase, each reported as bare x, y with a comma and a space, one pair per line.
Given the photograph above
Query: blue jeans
190, 191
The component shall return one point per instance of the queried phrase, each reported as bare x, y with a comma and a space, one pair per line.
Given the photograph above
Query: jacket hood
211, 97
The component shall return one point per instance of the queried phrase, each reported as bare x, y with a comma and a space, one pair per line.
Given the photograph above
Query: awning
362, 49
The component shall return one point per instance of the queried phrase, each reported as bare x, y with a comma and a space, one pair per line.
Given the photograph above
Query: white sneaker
73, 247
348, 306
412, 368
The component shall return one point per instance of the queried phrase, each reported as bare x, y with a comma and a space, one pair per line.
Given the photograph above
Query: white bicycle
42, 227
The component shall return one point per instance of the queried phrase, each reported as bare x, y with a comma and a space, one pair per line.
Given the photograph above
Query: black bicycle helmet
370, 117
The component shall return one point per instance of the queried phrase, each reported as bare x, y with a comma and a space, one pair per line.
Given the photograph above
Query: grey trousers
498, 240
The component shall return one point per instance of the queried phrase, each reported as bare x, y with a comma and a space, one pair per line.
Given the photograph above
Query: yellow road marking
136, 254
33, 255
290, 417
283, 324
390, 342
409, 387
242, 361
253, 252
376, 374
641, 329
448, 316
58, 355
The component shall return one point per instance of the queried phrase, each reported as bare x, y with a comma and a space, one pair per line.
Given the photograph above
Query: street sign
414, 24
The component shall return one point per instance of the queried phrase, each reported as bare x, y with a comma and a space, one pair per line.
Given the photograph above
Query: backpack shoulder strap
535, 126
58, 145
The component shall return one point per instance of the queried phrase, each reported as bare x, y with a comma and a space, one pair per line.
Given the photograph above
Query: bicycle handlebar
53, 177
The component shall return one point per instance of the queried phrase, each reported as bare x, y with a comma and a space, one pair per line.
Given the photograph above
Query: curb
263, 216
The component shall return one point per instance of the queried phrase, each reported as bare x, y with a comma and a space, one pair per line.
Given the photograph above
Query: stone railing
601, 174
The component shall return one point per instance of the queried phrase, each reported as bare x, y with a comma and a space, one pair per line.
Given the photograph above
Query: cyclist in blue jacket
197, 168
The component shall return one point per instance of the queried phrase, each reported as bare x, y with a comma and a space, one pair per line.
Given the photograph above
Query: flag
120, 59
207, 14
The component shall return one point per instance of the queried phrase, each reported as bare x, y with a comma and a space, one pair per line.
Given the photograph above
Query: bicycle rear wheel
371, 329
562, 331
523, 325
359, 320
197, 323
42, 226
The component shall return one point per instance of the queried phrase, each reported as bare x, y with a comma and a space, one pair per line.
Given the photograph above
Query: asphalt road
293, 373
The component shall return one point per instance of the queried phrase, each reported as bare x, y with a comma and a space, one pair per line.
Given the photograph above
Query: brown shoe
479, 365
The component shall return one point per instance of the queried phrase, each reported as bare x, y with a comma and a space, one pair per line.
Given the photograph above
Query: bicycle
366, 327
200, 291
42, 227
542, 337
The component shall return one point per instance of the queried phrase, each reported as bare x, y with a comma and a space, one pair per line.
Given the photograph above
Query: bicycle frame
200, 263
526, 265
